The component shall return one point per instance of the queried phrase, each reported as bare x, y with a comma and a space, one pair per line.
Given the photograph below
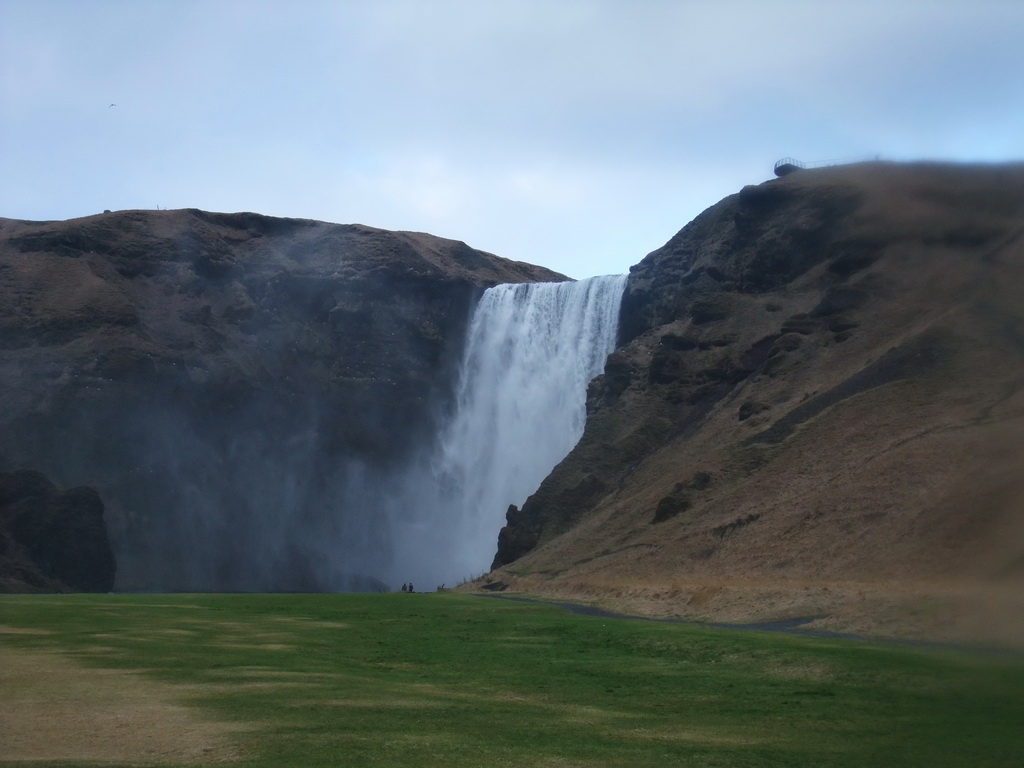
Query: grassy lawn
455, 680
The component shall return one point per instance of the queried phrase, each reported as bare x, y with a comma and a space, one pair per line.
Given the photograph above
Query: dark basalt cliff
52, 540
210, 373
820, 382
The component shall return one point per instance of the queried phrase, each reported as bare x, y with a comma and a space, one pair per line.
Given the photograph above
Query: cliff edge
229, 382
816, 410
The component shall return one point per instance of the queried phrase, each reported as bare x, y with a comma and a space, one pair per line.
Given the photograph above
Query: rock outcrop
819, 386
228, 381
52, 540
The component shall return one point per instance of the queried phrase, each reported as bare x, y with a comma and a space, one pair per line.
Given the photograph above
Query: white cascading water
531, 350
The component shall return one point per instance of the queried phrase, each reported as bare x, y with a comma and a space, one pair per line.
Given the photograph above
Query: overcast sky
577, 134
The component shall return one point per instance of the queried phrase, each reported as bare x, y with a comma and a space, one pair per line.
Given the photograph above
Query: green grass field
457, 680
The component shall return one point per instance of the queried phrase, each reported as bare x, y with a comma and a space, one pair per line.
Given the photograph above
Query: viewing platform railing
789, 164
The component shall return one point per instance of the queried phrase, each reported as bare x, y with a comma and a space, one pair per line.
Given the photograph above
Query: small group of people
408, 587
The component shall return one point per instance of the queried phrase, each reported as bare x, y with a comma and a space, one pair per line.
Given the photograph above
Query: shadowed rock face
819, 380
52, 540
227, 381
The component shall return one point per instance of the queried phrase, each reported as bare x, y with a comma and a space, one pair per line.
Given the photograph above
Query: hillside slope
227, 381
816, 410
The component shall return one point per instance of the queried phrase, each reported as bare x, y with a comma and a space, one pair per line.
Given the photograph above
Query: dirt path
789, 626
803, 625
55, 709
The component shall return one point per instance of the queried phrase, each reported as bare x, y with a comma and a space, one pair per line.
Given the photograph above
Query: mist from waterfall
530, 353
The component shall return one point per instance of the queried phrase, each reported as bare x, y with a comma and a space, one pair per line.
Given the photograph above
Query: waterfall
520, 407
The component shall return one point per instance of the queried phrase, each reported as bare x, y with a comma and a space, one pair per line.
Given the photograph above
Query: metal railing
791, 161
790, 164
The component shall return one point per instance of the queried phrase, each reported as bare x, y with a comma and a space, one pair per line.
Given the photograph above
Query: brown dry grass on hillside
880, 487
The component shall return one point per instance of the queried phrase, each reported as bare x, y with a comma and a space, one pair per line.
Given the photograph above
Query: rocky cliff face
52, 540
816, 409
227, 382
